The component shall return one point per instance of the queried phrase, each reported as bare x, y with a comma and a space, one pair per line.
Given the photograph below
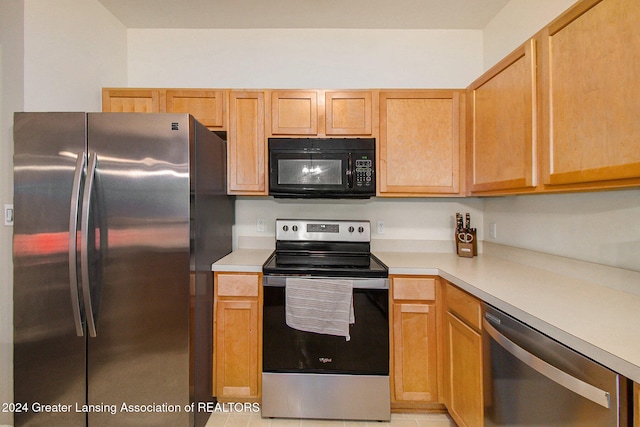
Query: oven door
287, 350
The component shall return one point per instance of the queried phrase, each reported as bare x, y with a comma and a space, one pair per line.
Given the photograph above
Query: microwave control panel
364, 172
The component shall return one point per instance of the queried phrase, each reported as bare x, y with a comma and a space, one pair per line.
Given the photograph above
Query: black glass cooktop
325, 264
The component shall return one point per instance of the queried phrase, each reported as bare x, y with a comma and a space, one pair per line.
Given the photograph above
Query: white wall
298, 58
517, 22
325, 58
54, 56
420, 224
72, 49
598, 227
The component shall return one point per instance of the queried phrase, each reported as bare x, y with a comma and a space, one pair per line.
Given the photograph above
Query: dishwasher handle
560, 377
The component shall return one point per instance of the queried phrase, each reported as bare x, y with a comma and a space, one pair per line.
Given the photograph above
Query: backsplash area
599, 227
418, 224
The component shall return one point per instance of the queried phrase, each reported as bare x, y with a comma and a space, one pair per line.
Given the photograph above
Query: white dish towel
323, 306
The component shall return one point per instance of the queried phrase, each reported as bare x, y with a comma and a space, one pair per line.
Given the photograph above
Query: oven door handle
556, 375
359, 283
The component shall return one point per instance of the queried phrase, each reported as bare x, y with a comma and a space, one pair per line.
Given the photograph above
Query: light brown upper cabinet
319, 113
294, 112
590, 63
420, 142
246, 145
502, 127
133, 100
207, 106
348, 112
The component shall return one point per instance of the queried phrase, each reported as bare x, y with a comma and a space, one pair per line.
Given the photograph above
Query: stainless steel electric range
325, 323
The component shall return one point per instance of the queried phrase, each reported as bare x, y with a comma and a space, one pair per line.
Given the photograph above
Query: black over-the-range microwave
322, 167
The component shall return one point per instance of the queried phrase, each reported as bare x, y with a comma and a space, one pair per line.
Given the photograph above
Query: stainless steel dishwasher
532, 380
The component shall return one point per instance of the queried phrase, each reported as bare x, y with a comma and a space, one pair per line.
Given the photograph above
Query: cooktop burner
331, 248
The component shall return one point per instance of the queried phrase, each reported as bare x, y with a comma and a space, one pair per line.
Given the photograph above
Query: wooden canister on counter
465, 237
466, 244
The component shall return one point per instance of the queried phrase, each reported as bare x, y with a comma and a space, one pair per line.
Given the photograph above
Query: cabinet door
132, 100
636, 404
465, 373
419, 150
591, 64
502, 125
294, 112
348, 112
414, 353
247, 162
207, 106
236, 347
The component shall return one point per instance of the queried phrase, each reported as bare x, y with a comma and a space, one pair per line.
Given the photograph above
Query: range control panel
321, 230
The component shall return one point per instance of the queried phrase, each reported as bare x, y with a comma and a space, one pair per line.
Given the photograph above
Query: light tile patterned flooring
247, 419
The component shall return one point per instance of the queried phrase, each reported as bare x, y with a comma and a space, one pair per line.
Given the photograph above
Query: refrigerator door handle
84, 243
73, 244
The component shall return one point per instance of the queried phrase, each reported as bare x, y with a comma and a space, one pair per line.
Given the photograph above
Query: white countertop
243, 261
598, 321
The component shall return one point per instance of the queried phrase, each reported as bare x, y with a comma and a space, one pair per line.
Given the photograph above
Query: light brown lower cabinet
464, 358
237, 337
414, 337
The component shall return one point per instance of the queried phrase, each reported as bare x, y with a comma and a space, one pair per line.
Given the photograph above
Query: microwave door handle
350, 170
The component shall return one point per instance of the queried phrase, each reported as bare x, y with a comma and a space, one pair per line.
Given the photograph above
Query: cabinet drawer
414, 288
464, 306
237, 285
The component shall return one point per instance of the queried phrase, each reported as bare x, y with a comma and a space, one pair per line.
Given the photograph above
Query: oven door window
300, 172
288, 350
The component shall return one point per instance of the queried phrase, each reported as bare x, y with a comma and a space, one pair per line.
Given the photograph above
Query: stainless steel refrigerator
118, 217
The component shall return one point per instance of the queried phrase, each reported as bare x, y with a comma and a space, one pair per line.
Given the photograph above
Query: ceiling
354, 14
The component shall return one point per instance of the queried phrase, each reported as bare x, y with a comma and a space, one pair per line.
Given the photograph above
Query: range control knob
351, 229
294, 228
285, 228
360, 229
